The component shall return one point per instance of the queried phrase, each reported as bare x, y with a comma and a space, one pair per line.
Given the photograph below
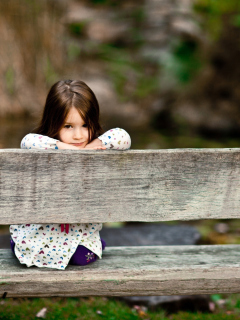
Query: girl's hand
65, 146
96, 144
95, 148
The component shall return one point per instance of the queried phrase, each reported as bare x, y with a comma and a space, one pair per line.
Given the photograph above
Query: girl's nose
77, 134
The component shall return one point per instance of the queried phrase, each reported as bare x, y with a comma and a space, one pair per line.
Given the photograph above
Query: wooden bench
135, 185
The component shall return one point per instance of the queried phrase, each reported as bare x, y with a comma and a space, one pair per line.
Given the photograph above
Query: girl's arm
39, 141
117, 139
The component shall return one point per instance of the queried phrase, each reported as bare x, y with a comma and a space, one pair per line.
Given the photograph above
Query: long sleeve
116, 138
38, 141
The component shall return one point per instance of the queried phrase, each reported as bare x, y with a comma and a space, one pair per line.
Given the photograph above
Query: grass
108, 308
70, 308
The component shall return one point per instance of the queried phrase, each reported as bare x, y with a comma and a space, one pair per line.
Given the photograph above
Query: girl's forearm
63, 146
94, 144
91, 146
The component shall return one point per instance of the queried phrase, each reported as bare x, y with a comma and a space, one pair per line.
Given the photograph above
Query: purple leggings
81, 257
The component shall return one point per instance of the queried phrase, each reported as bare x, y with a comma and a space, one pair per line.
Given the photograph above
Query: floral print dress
52, 245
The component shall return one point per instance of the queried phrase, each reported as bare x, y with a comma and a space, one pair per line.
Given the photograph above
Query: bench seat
126, 271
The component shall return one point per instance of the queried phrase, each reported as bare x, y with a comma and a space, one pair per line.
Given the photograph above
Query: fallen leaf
229, 312
221, 303
141, 310
42, 313
211, 306
99, 312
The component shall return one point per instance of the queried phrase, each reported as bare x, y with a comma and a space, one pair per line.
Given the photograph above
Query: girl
70, 121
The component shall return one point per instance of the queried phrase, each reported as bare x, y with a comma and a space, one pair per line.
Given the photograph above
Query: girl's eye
67, 126
85, 125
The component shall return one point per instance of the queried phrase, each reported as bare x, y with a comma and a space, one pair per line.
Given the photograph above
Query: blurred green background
166, 71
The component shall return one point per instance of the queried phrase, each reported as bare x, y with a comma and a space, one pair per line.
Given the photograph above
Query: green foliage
187, 62
77, 28
137, 39
128, 74
216, 13
203, 316
99, 1
138, 15
236, 20
10, 80
50, 74
216, 297
105, 2
216, 7
183, 62
146, 85
73, 51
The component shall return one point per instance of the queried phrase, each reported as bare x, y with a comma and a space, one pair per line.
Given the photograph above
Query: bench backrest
105, 186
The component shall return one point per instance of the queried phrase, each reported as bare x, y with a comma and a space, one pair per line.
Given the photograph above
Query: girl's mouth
77, 144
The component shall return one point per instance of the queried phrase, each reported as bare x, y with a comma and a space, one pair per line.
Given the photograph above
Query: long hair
64, 95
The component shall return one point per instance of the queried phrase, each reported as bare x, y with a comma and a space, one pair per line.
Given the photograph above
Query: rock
158, 38
106, 31
5, 241
221, 227
186, 26
78, 12
150, 234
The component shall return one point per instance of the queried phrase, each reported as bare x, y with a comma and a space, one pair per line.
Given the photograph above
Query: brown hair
64, 95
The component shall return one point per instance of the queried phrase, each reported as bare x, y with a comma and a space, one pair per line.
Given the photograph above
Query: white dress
48, 245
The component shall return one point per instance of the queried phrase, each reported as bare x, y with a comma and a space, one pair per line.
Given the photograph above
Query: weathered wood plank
154, 270
135, 185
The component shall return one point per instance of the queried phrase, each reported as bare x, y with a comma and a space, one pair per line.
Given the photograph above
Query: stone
107, 31
5, 241
150, 234
221, 227
78, 12
185, 26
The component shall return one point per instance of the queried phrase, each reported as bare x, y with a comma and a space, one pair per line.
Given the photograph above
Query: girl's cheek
87, 133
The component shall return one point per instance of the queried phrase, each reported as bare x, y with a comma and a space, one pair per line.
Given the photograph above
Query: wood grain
135, 185
123, 271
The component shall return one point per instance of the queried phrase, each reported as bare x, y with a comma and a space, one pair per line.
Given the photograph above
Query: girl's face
74, 130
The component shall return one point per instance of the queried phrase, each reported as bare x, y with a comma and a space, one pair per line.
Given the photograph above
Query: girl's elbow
25, 143
127, 140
